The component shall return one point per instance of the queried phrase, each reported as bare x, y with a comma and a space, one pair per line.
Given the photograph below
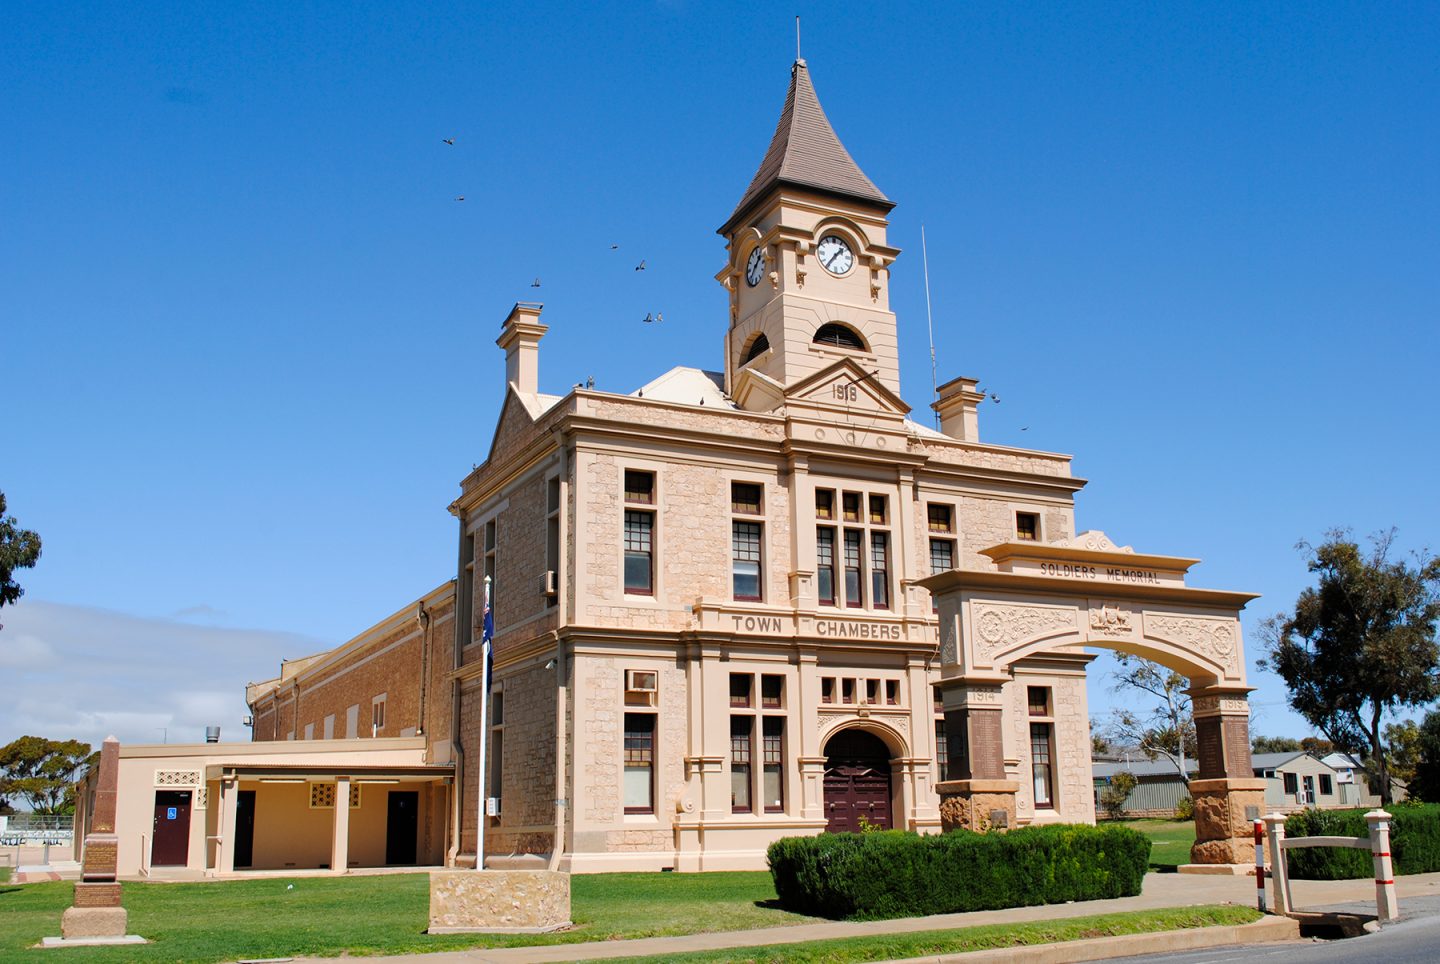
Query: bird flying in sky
640, 266
449, 140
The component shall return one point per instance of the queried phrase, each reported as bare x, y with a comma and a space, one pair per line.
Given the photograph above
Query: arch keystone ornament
1087, 591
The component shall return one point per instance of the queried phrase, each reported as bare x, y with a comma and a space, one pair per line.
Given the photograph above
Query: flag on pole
487, 636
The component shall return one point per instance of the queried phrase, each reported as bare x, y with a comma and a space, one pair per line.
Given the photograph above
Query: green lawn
383, 914
1171, 838
853, 950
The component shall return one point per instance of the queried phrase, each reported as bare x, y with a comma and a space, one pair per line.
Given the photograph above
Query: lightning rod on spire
797, 37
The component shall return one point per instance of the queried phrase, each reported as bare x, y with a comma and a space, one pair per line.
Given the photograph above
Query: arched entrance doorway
857, 781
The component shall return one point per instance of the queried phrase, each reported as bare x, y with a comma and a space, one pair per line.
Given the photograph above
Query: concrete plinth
498, 901
93, 922
978, 805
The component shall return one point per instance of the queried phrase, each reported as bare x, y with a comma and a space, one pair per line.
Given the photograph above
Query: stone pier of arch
1086, 591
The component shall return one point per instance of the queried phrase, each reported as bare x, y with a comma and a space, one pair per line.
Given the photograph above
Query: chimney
520, 337
958, 408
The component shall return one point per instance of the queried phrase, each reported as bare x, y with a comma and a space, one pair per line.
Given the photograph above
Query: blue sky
247, 332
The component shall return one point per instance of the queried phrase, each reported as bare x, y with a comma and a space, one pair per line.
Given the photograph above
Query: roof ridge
806, 151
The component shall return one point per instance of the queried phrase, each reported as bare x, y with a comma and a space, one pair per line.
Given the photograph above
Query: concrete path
1160, 890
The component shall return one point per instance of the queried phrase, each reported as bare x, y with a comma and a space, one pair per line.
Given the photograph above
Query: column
1228, 797
340, 843
975, 794
229, 802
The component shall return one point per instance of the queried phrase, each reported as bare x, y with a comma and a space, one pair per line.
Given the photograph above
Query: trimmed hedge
896, 873
1414, 842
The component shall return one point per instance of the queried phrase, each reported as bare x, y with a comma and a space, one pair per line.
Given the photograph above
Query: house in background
1159, 791
1293, 781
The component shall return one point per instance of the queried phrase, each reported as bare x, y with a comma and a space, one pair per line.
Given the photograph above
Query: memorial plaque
1000, 819
1211, 758
1252, 813
101, 857
97, 895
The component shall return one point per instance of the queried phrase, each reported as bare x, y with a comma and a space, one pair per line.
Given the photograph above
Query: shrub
897, 873
1414, 842
1185, 809
1116, 792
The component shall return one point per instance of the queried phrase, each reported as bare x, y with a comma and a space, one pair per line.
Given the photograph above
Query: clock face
755, 267
834, 254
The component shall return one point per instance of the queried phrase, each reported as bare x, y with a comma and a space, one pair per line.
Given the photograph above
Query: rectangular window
745, 555
772, 689
853, 596
939, 517
1327, 785
872, 691
330, 727
639, 487
942, 750
825, 565
639, 553
745, 497
497, 708
639, 763
492, 539
850, 506
824, 504
1038, 698
377, 715
740, 689
880, 570
741, 728
1027, 526
773, 781
827, 689
877, 510
1292, 785
497, 763
892, 692
1041, 766
847, 690
552, 539
309, 731
942, 556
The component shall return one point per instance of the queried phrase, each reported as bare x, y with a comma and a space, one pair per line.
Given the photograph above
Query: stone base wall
498, 901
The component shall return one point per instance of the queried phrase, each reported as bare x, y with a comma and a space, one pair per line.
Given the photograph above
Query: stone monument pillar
1228, 796
97, 916
974, 791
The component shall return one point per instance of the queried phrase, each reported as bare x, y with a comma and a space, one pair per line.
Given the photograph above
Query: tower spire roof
805, 152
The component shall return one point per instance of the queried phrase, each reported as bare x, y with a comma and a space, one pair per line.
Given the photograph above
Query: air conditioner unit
248, 721
641, 681
547, 582
492, 806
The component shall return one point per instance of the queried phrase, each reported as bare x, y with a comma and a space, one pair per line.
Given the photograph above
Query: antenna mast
929, 318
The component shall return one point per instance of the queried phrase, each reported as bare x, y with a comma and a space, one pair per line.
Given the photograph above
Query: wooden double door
857, 782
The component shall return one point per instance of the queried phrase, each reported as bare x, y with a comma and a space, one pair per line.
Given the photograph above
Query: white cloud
71, 672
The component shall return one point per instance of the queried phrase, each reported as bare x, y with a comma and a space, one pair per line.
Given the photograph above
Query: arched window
838, 336
758, 347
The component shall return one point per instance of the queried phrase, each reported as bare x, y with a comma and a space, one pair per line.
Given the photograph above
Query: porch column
229, 802
974, 794
1228, 797
340, 843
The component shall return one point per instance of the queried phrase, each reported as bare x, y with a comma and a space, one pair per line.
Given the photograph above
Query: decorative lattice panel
177, 778
202, 798
322, 796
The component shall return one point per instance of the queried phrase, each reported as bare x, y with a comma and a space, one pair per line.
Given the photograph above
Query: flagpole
486, 631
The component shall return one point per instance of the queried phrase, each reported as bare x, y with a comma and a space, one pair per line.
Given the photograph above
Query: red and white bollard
1260, 865
1387, 907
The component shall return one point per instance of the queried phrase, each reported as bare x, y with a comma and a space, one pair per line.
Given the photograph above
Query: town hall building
737, 605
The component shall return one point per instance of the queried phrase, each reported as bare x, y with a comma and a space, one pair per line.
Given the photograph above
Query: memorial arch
1086, 591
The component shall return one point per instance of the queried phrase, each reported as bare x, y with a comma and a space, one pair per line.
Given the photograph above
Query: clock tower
808, 268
